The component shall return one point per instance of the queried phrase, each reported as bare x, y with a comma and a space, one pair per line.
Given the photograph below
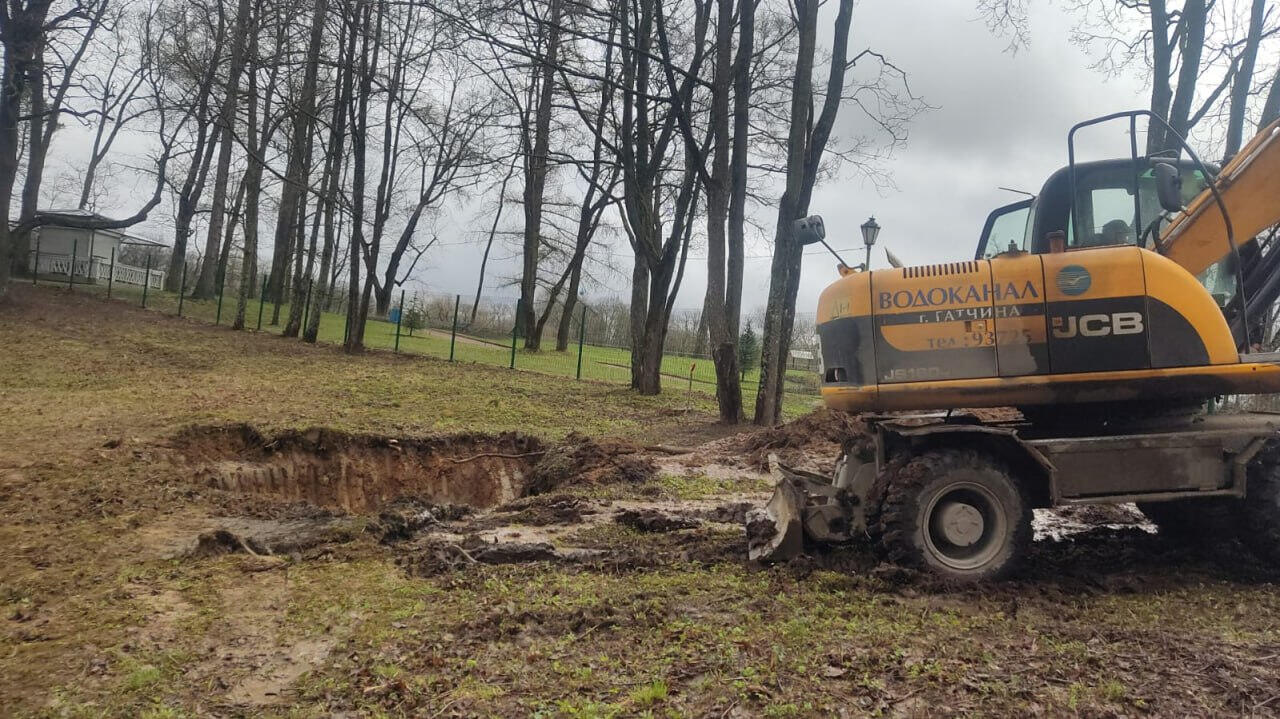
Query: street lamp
869, 232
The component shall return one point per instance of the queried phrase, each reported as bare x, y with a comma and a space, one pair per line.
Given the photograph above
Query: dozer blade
775, 532
807, 507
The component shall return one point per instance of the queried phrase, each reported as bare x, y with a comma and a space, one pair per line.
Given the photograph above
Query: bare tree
658, 212
807, 141
367, 27
45, 112
210, 271
25, 26
118, 96
189, 45
1242, 84
257, 141
1191, 53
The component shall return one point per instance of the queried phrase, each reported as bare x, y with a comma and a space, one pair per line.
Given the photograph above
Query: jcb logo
1118, 323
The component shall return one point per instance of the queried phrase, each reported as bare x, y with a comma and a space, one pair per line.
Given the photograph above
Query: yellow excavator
1110, 310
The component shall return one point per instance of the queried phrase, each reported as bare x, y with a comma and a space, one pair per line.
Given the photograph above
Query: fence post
306, 307
453, 334
515, 332
582, 338
146, 281
182, 288
111, 273
399, 319
35, 271
71, 268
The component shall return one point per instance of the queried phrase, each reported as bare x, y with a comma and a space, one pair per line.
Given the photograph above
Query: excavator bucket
808, 508
775, 532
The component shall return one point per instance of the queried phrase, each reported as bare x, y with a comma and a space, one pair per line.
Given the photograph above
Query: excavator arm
1250, 188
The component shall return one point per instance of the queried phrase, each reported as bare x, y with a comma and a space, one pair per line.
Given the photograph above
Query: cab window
1006, 226
1106, 211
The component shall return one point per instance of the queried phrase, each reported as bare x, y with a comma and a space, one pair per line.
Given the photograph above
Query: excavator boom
1250, 188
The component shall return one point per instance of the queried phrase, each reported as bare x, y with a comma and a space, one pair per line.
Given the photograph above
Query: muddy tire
1261, 506
1200, 521
956, 513
876, 496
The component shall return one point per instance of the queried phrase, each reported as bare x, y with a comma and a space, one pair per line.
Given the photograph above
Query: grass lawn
99, 619
610, 364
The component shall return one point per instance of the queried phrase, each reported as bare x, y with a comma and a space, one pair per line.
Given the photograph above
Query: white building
97, 253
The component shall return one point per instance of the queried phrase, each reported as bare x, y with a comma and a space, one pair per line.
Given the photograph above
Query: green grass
608, 364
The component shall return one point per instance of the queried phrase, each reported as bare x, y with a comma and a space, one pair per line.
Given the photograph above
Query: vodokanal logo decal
1074, 280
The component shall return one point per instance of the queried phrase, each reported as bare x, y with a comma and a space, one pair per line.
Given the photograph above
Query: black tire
1261, 506
1198, 521
943, 495
876, 496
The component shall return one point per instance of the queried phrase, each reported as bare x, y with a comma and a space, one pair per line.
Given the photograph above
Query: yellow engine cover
1086, 325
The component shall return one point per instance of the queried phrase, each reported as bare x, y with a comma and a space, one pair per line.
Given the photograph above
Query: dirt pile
582, 460
817, 436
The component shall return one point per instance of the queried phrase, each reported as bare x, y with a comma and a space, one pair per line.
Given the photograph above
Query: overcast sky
1000, 120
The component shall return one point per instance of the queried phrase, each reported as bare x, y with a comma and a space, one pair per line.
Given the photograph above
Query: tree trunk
229, 234
37, 152
1271, 108
738, 165
253, 188
570, 309
1161, 72
805, 144
252, 184
359, 109
639, 305
302, 265
535, 181
1193, 22
1244, 80
14, 77
724, 353
226, 119
189, 202
328, 201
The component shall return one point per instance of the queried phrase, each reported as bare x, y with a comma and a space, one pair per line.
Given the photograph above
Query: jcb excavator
1109, 310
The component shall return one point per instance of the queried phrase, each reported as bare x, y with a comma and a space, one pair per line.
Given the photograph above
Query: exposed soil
582, 460
361, 473
814, 440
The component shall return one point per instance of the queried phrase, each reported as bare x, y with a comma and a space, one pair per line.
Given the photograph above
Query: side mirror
809, 230
1168, 186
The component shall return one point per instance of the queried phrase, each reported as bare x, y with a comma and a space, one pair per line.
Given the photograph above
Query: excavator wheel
1194, 520
959, 514
1261, 509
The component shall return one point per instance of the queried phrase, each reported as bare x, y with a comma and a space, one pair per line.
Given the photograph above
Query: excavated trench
361, 474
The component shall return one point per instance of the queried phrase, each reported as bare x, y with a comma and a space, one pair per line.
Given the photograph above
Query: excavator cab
1105, 194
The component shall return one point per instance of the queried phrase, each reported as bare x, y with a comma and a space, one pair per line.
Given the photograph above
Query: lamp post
870, 229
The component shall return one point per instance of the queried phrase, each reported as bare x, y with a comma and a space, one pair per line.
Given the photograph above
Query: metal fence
591, 343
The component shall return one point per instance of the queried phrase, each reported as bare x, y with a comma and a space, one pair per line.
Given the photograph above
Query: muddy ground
177, 541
